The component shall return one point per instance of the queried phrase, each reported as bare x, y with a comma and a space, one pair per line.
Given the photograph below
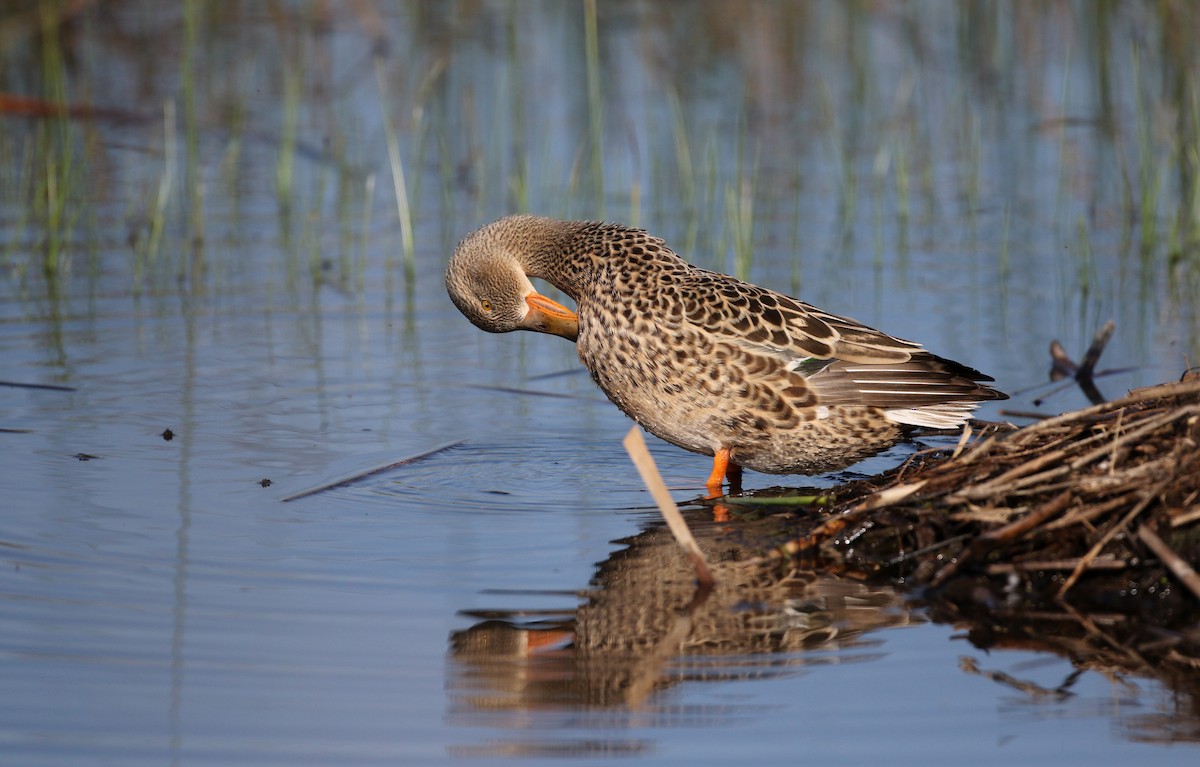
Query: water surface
982, 179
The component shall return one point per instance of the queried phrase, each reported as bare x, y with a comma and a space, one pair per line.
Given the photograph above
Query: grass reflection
751, 137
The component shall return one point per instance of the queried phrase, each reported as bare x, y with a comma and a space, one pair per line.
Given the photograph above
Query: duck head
487, 280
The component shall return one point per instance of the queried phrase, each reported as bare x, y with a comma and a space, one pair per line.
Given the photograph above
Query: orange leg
723, 467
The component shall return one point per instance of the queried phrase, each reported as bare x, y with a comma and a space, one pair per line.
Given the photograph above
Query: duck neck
562, 253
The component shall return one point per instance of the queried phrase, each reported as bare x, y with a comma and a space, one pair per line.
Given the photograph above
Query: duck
705, 361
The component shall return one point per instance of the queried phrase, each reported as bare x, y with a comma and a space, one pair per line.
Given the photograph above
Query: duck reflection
645, 626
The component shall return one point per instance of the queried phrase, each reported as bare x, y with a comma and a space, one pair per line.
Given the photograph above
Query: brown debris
1084, 374
1086, 477
1079, 533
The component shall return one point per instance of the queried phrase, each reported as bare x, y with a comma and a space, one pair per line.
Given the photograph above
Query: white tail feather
947, 416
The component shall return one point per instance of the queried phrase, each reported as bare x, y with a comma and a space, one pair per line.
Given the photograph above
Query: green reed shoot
591, 47
148, 256
286, 165
1064, 107
58, 148
403, 209
518, 176
739, 207
191, 130
368, 204
1189, 153
1149, 170
1085, 270
683, 152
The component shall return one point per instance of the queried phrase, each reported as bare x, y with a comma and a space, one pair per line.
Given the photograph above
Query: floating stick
352, 478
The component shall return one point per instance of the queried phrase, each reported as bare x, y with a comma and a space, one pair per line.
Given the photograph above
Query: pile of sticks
1112, 487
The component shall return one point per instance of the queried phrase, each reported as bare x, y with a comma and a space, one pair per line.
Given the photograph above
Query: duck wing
782, 326
840, 361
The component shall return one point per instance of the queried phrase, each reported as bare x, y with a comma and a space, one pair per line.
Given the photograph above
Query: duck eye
487, 306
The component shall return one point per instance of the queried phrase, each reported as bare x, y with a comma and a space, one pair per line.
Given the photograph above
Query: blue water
160, 602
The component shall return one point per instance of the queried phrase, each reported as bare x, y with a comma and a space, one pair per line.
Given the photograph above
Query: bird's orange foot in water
723, 467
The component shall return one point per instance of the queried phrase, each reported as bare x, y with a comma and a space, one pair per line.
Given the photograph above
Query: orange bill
546, 316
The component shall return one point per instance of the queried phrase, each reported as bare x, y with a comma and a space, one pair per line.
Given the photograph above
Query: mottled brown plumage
705, 361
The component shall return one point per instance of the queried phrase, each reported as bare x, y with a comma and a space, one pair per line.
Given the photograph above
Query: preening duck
705, 361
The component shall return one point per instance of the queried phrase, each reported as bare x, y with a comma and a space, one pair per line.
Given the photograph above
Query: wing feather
841, 360
750, 315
